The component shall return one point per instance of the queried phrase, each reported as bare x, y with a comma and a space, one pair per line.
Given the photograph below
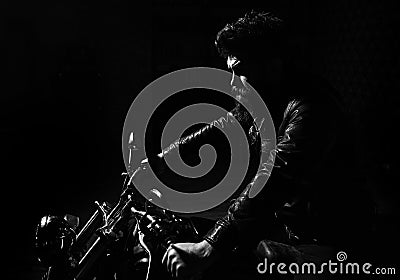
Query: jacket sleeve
304, 140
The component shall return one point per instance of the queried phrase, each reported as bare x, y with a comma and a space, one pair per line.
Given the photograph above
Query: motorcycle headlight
53, 239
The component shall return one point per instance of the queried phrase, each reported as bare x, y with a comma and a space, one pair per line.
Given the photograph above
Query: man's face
262, 71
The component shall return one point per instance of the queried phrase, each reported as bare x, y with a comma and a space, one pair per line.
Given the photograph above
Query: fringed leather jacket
305, 191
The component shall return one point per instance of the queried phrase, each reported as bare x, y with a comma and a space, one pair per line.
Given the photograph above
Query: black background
74, 67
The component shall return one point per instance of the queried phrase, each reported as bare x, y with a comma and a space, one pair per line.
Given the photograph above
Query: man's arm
305, 139
300, 149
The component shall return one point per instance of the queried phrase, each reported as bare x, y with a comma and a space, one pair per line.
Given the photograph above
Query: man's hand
188, 259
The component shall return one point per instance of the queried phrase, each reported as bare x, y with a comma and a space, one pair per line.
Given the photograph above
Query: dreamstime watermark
330, 267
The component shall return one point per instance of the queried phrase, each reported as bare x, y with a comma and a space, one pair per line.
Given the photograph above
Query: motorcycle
124, 240
129, 238
119, 241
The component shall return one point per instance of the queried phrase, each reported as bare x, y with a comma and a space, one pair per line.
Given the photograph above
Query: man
307, 207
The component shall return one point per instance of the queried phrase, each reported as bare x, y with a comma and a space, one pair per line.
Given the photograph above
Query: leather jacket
302, 193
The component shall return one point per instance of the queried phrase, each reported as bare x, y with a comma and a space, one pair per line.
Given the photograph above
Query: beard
241, 90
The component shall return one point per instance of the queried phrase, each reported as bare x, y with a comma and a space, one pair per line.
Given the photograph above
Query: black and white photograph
200, 140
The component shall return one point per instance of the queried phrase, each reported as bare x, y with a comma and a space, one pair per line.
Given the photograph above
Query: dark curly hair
255, 33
